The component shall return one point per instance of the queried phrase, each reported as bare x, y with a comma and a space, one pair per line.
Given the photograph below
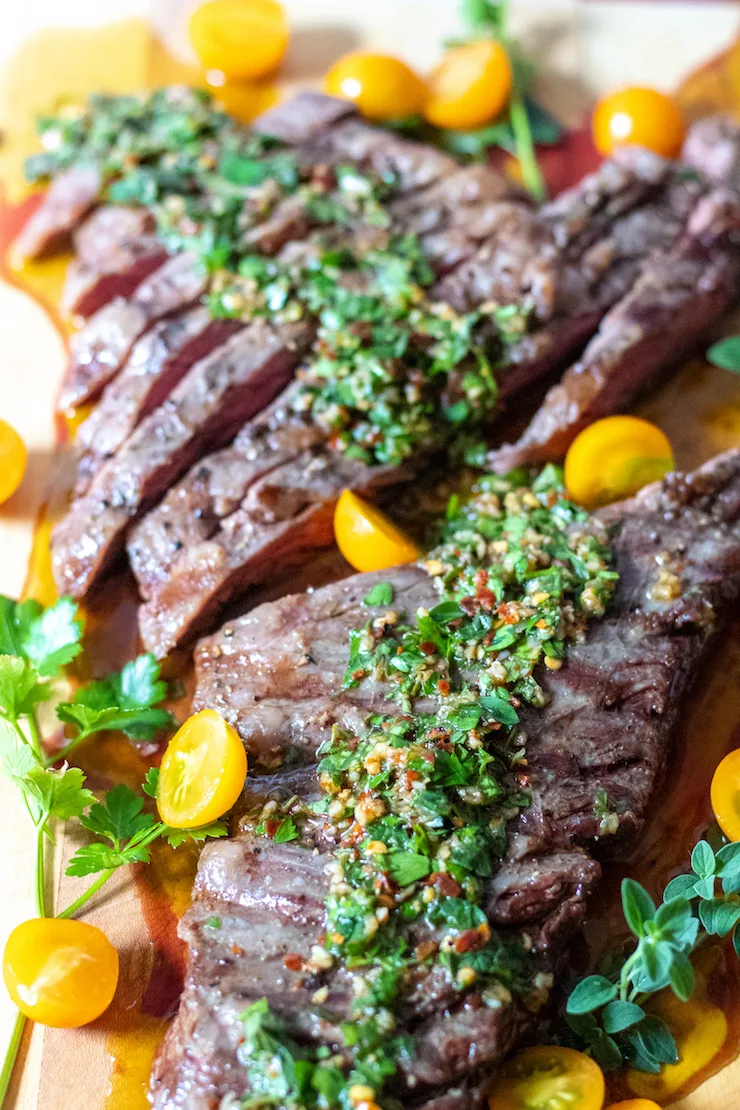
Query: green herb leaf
590, 994
176, 837
618, 1016
49, 638
407, 867
61, 794
151, 782
119, 816
20, 688
682, 976
380, 594
726, 354
637, 905
122, 702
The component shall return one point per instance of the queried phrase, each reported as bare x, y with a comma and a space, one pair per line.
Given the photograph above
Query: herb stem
531, 174
63, 753
85, 897
11, 1055
41, 869
35, 731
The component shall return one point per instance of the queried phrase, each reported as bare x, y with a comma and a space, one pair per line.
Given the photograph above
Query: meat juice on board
701, 407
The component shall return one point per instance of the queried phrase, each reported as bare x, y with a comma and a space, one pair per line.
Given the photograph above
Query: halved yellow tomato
60, 973
634, 1104
243, 39
367, 538
549, 1077
470, 86
725, 795
202, 773
614, 458
13, 460
382, 86
639, 117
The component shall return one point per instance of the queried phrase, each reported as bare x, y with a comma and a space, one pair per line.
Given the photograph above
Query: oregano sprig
607, 1011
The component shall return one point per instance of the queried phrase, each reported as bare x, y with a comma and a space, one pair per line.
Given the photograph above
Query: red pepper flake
468, 605
445, 884
480, 578
443, 686
509, 612
426, 949
427, 647
237, 950
486, 599
410, 778
271, 826
293, 961
469, 941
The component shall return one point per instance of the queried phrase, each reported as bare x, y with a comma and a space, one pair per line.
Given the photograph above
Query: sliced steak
303, 116
276, 673
99, 351
216, 395
713, 148
607, 727
116, 249
66, 202
270, 902
679, 295
230, 517
159, 360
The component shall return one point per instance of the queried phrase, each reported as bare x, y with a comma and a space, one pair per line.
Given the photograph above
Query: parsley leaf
124, 701
176, 837
726, 354
61, 794
20, 688
49, 638
380, 594
119, 817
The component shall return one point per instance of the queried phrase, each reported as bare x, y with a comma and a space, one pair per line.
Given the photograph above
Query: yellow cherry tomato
243, 39
725, 795
614, 458
382, 87
60, 973
202, 773
242, 99
13, 460
470, 86
547, 1076
634, 1104
367, 538
639, 117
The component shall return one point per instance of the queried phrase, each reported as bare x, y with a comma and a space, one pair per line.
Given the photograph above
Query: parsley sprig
608, 1011
36, 644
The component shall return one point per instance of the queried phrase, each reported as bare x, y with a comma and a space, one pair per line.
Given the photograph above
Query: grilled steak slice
99, 351
304, 116
276, 673
270, 902
713, 148
679, 295
116, 249
159, 360
269, 497
216, 395
67, 201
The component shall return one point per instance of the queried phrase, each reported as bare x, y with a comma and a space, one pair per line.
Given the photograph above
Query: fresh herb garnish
608, 1012
726, 354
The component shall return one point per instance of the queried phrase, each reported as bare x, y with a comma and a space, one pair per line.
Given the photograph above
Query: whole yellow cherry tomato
470, 86
13, 460
60, 973
202, 773
382, 87
614, 458
639, 117
547, 1076
245, 100
725, 795
367, 538
242, 38
634, 1104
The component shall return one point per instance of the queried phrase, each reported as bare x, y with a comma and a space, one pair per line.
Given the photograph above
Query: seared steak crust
606, 728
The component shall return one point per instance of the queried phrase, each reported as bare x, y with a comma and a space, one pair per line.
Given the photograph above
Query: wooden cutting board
584, 48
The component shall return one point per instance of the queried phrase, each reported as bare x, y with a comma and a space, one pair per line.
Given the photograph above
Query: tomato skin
470, 86
244, 39
202, 772
382, 86
725, 795
634, 1104
639, 117
367, 538
615, 457
13, 460
549, 1075
60, 973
